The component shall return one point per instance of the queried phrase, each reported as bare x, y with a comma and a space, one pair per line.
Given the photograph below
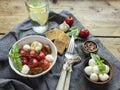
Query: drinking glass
38, 12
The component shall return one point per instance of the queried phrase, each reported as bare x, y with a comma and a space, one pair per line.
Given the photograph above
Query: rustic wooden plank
113, 45
1, 36
8, 22
102, 18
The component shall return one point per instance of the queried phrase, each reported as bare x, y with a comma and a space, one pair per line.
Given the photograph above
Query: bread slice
60, 39
54, 33
60, 45
51, 34
65, 38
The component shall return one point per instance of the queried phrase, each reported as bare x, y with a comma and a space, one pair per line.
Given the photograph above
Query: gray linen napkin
9, 80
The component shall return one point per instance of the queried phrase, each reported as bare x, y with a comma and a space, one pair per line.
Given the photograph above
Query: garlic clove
64, 26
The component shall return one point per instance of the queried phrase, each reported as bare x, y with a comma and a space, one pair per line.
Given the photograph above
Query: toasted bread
60, 45
51, 34
61, 40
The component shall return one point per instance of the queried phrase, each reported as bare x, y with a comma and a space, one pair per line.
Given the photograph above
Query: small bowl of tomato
32, 56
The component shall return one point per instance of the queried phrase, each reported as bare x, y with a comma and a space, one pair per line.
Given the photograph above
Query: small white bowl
30, 39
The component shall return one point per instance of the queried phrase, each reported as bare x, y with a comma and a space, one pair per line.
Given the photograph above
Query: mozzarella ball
26, 47
96, 69
107, 69
88, 70
25, 69
49, 57
94, 77
103, 77
91, 62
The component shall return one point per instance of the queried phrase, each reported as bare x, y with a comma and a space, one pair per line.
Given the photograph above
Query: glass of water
38, 12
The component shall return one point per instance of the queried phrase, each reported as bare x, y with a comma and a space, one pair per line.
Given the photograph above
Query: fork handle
60, 85
67, 81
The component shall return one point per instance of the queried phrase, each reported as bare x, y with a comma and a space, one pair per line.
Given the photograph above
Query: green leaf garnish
99, 62
15, 56
73, 31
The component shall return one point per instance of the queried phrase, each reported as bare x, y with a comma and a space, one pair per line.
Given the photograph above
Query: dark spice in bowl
89, 47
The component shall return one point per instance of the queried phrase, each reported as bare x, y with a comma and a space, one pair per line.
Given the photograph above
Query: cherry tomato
46, 49
69, 20
38, 58
45, 64
25, 61
41, 55
33, 63
23, 52
84, 33
33, 53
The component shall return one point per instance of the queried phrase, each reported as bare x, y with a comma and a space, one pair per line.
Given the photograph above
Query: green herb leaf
101, 68
18, 64
15, 56
99, 62
95, 56
73, 31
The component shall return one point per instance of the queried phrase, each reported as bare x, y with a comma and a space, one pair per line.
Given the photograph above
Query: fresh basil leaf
15, 56
102, 68
17, 64
99, 62
73, 31
95, 56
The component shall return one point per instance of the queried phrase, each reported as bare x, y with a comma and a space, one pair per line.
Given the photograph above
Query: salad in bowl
32, 56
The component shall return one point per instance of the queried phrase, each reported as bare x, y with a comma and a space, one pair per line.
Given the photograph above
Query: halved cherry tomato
33, 63
33, 53
46, 49
41, 56
45, 64
23, 52
38, 58
25, 61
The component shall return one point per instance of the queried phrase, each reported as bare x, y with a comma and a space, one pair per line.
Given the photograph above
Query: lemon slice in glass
39, 14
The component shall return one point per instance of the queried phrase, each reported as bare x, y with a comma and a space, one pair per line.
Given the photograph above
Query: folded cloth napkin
9, 80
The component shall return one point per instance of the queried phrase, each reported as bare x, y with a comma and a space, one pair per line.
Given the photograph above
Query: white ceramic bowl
29, 39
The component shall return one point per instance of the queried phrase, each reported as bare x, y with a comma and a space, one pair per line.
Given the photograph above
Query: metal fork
68, 54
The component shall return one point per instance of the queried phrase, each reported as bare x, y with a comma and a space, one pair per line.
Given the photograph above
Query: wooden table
102, 18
